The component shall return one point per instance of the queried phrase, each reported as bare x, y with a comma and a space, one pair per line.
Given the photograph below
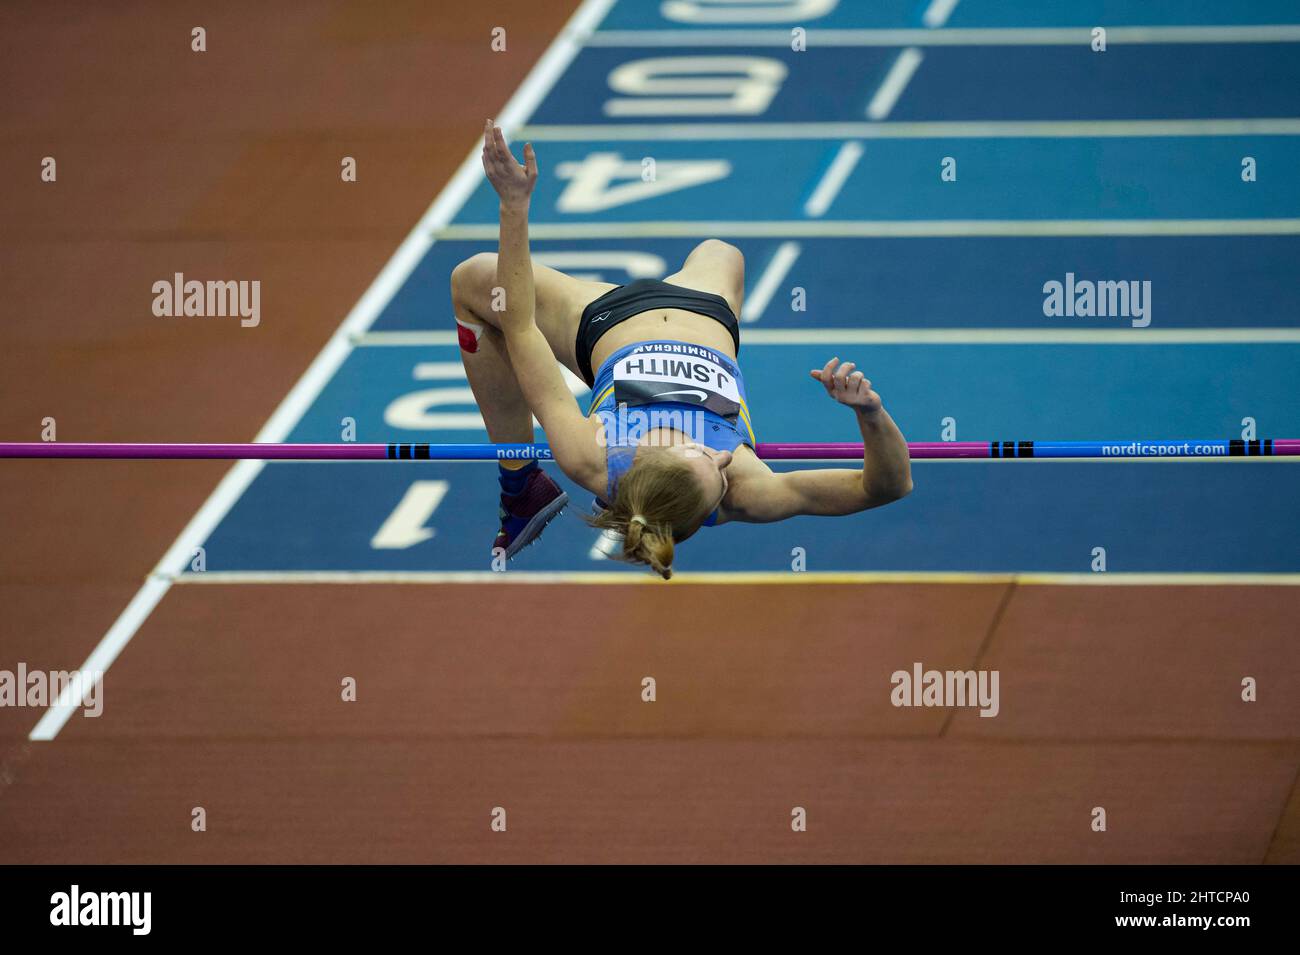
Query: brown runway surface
472, 697
229, 699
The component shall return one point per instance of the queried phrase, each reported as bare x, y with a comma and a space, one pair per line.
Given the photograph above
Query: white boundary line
878, 228
521, 105
937, 13
777, 269
938, 129
997, 36
936, 336
837, 173
896, 80
740, 577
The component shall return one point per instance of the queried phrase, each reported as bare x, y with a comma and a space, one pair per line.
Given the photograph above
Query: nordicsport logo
526, 452
1158, 449
74, 907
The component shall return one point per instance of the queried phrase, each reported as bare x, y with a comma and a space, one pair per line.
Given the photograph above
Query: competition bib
651, 377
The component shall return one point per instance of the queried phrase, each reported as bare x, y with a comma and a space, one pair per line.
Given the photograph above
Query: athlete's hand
847, 386
513, 182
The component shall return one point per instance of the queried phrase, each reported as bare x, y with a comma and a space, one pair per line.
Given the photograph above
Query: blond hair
659, 502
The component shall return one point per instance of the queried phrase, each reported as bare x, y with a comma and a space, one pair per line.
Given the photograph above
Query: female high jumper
667, 445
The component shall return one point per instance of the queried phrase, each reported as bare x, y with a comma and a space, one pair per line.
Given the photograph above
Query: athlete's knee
724, 266
724, 262
717, 249
471, 287
473, 277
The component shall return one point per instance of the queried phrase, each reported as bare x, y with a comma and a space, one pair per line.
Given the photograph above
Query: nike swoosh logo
703, 396
602, 317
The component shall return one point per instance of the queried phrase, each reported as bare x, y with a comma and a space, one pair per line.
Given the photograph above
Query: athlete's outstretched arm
886, 473
570, 433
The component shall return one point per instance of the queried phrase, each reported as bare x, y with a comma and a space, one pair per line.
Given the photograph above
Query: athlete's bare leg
714, 266
560, 300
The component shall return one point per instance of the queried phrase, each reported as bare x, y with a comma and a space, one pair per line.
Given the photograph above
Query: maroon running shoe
524, 515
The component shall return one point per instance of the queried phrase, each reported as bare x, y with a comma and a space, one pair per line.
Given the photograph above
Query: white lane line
421, 339
879, 228
837, 173
102, 657
938, 12
981, 129
882, 104
535, 86
743, 577
757, 301
994, 36
936, 336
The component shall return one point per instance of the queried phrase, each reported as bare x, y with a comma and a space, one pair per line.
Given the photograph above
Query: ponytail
649, 544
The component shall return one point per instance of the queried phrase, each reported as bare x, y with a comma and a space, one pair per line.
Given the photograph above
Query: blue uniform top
679, 385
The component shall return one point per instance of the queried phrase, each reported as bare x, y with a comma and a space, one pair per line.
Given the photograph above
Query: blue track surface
1012, 83
988, 282
1166, 178
860, 276
897, 14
